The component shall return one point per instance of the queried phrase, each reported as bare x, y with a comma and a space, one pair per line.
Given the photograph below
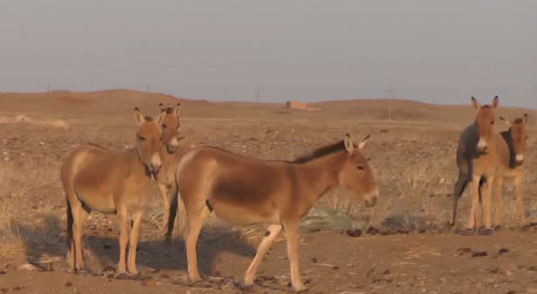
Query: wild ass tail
69, 227
173, 211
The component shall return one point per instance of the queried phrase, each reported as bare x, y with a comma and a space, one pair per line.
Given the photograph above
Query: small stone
373, 231
503, 251
354, 233
27, 267
480, 254
464, 251
68, 284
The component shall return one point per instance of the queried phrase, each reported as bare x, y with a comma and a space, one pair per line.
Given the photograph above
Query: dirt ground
414, 160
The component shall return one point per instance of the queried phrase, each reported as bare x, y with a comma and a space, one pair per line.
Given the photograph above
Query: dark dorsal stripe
519, 121
320, 152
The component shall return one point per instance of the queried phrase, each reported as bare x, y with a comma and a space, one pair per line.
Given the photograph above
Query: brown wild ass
482, 156
243, 191
169, 154
95, 178
515, 138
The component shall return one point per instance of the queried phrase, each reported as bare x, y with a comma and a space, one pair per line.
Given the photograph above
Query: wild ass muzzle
243, 191
95, 178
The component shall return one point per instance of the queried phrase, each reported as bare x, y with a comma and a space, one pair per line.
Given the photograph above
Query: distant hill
119, 103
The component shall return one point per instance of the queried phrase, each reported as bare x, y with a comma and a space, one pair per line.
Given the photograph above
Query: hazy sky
434, 51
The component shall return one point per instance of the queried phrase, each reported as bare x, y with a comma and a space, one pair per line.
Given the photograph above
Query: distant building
296, 105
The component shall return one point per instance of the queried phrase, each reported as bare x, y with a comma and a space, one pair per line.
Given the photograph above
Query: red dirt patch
74, 101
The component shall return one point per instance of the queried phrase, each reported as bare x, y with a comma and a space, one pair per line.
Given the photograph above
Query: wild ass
482, 157
95, 178
515, 138
170, 128
243, 191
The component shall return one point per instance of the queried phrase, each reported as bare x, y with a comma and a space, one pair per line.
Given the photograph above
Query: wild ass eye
164, 126
360, 167
492, 122
141, 138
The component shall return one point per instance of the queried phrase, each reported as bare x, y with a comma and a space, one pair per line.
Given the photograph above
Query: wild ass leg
133, 243
264, 246
195, 220
474, 194
459, 189
519, 184
71, 255
166, 206
123, 238
487, 201
498, 183
291, 232
79, 216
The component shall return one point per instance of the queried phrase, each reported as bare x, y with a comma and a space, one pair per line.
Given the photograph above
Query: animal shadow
44, 241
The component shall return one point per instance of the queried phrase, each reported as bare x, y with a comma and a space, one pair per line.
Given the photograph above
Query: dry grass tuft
29, 205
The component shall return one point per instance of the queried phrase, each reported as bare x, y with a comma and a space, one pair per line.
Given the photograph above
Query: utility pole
258, 91
389, 95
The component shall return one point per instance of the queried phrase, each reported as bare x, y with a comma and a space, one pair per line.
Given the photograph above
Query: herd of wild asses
277, 193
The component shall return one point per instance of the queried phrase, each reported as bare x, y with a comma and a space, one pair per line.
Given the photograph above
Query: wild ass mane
320, 152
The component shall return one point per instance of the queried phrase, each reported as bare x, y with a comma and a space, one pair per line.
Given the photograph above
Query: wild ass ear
505, 121
476, 104
364, 141
495, 102
349, 145
526, 118
140, 118
161, 107
160, 118
177, 109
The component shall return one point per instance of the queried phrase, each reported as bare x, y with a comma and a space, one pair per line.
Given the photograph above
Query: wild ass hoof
465, 232
300, 288
122, 276
485, 232
133, 272
194, 280
248, 282
77, 270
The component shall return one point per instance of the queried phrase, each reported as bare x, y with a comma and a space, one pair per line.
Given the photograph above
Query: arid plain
405, 245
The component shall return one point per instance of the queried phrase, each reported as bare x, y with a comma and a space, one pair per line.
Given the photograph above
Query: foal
243, 191
515, 138
170, 128
482, 156
95, 178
